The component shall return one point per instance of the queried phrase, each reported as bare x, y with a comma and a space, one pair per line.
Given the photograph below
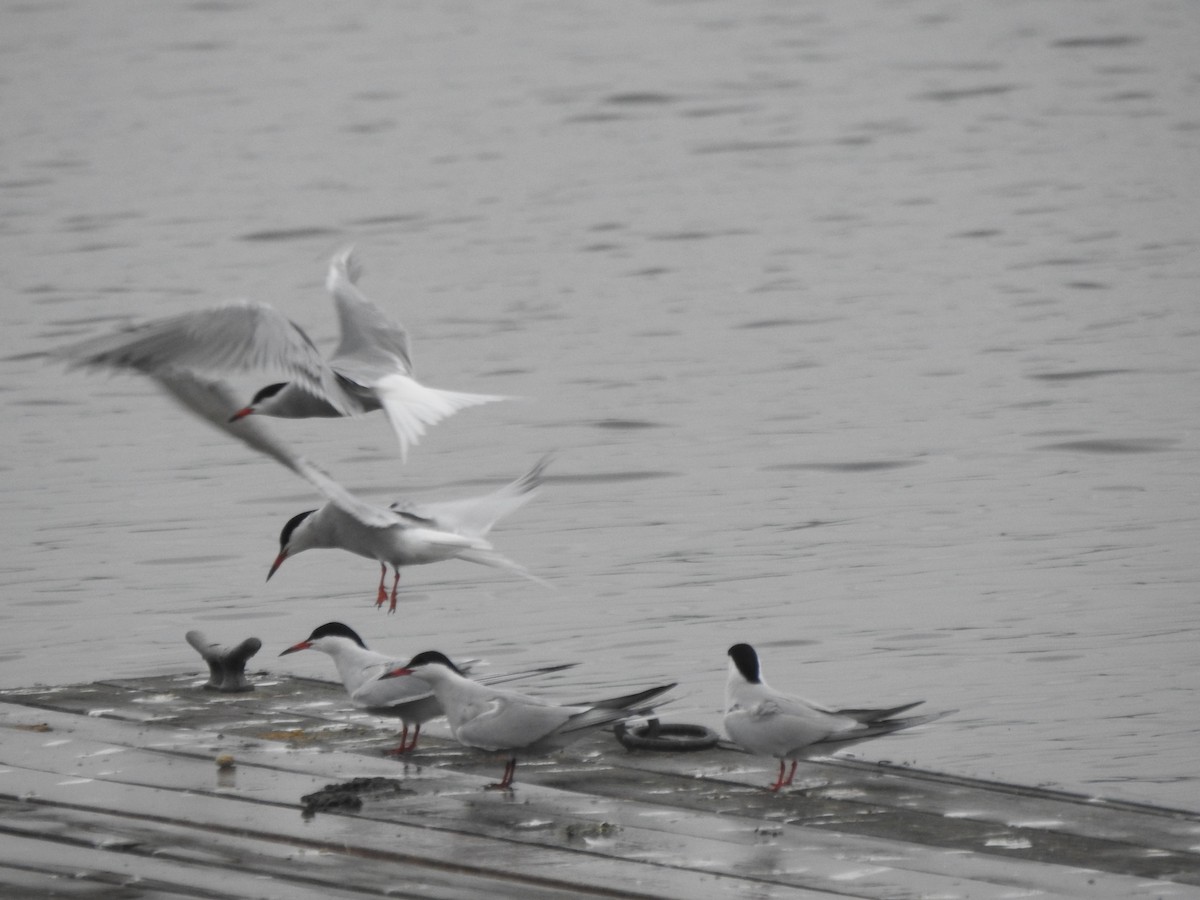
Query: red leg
405, 745
505, 783
402, 748
395, 584
382, 593
782, 782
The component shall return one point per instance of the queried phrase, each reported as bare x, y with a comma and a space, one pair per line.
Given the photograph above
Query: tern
411, 700
370, 369
768, 723
410, 534
403, 534
488, 718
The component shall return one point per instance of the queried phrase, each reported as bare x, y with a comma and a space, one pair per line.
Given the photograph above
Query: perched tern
768, 723
411, 534
488, 718
370, 369
411, 700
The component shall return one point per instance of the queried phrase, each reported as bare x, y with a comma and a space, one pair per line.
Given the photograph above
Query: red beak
303, 645
241, 413
396, 673
278, 562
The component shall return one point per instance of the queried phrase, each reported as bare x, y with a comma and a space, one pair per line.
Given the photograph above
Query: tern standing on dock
360, 669
515, 724
768, 723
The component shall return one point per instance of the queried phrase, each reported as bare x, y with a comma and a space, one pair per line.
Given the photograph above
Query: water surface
864, 332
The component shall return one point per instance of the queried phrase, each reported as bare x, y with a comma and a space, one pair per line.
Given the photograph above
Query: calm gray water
865, 332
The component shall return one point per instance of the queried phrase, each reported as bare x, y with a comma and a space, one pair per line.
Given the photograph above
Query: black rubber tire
669, 738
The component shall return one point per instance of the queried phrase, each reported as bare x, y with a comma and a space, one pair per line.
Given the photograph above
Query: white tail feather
500, 561
411, 406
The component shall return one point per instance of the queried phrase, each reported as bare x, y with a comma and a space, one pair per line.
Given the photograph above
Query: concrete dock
157, 788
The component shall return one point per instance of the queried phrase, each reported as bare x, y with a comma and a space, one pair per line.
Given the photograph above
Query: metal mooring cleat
226, 665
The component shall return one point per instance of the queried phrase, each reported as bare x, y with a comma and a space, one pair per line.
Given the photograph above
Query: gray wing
392, 691
372, 345
240, 336
210, 400
512, 721
475, 516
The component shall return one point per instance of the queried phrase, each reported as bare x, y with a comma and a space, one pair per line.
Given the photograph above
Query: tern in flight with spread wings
370, 369
412, 534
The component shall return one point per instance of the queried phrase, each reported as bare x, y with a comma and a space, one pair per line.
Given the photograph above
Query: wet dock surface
157, 788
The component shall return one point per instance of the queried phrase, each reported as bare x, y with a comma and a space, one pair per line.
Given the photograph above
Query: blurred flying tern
370, 369
411, 700
488, 718
768, 723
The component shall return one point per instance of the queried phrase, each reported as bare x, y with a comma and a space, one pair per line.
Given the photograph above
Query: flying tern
410, 534
411, 700
370, 369
402, 534
488, 718
768, 723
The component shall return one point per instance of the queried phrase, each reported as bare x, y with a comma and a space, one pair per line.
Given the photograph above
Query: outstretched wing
374, 352
239, 336
370, 339
210, 400
475, 516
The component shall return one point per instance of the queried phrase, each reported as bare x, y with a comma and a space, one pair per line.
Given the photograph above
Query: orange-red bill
278, 562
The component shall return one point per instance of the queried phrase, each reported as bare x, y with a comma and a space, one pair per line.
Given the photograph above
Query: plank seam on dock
343, 849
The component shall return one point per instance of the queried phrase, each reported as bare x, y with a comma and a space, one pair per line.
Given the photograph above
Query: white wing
374, 353
240, 336
210, 400
370, 340
475, 516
